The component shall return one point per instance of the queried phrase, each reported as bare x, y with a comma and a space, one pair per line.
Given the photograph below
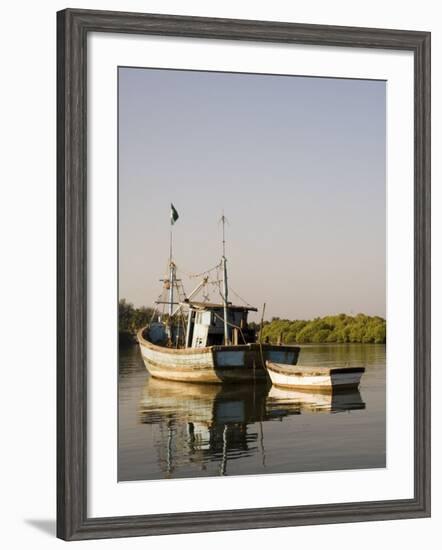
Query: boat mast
171, 277
225, 287
172, 269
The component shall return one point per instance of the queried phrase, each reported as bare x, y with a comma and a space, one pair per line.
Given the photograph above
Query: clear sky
297, 164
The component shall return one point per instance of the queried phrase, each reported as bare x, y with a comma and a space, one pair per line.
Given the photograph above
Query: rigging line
154, 312
193, 275
159, 298
239, 297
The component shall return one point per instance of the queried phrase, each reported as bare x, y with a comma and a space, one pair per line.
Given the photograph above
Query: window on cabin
206, 318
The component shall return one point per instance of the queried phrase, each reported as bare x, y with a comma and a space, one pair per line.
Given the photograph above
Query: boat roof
210, 305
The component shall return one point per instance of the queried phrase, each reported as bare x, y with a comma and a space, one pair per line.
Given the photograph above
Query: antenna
223, 220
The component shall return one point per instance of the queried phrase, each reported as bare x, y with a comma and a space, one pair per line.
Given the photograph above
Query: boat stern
287, 355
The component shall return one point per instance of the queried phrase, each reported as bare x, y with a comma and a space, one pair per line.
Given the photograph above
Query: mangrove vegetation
341, 328
130, 320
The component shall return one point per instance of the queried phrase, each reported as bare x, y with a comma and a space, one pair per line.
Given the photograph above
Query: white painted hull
312, 378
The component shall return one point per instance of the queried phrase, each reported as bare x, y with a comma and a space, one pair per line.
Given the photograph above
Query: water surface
175, 430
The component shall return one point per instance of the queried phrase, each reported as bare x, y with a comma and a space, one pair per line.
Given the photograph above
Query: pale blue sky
297, 164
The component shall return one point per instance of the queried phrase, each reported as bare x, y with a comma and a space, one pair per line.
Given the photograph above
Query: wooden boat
203, 341
314, 377
212, 363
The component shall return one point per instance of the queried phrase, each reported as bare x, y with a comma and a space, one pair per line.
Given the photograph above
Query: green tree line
340, 328
130, 320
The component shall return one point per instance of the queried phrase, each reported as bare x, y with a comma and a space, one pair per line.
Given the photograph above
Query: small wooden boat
314, 377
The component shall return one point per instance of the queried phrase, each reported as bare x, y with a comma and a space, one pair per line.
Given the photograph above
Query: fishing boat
320, 378
203, 341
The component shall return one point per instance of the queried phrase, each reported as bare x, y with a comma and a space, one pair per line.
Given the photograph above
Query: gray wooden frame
73, 27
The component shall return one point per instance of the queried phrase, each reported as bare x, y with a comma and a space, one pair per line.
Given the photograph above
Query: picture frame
73, 28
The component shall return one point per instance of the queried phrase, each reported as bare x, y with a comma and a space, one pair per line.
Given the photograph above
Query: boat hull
314, 378
213, 364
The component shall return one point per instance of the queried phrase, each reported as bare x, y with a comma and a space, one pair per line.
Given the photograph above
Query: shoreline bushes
130, 320
341, 328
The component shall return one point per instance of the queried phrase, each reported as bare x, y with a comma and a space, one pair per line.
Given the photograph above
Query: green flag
173, 214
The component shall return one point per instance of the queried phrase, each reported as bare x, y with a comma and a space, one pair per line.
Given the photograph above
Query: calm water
175, 430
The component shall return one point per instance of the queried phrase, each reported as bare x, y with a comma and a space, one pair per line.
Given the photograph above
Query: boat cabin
205, 325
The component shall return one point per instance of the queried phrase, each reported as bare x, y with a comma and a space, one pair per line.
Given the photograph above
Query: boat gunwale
209, 349
310, 370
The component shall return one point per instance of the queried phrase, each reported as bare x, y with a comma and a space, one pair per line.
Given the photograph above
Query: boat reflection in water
287, 401
205, 423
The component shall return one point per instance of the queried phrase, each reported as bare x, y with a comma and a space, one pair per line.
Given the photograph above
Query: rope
154, 312
239, 297
206, 272
231, 325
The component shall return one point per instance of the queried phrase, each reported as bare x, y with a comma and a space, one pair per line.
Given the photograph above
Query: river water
175, 430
